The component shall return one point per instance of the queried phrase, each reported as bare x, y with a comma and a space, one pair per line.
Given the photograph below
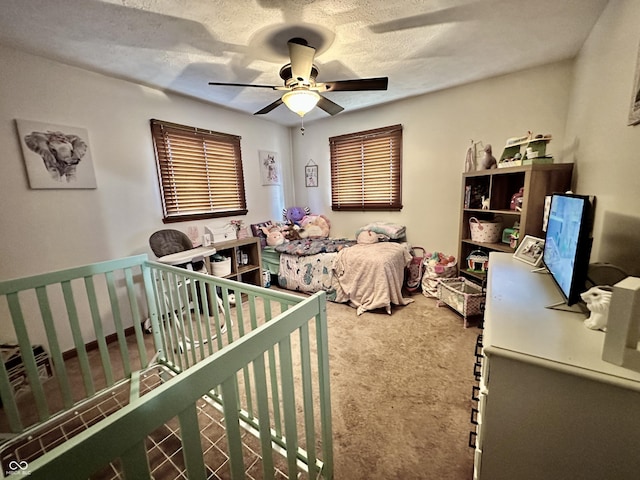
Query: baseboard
69, 354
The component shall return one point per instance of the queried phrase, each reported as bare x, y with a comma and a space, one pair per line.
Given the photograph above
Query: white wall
598, 138
43, 230
438, 129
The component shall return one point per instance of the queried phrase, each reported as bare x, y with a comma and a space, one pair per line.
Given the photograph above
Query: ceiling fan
301, 87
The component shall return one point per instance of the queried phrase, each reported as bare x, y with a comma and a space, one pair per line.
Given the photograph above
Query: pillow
391, 230
257, 232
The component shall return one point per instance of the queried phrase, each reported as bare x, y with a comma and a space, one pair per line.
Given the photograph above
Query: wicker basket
463, 296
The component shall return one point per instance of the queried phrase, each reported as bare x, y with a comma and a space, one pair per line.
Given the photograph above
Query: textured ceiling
180, 45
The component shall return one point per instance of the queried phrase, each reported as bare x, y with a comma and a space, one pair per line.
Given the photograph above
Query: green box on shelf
537, 160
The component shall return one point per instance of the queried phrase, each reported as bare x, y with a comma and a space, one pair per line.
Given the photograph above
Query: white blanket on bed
370, 276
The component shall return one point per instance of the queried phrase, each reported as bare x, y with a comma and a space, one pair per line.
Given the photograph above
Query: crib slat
187, 333
322, 343
170, 287
54, 346
137, 322
263, 414
150, 289
28, 359
307, 399
191, 446
245, 369
99, 331
117, 320
275, 394
288, 403
135, 462
77, 339
8, 401
232, 422
208, 291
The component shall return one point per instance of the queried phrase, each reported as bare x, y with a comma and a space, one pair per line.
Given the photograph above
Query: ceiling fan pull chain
302, 125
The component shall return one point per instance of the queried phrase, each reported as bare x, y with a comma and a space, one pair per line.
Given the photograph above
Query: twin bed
368, 276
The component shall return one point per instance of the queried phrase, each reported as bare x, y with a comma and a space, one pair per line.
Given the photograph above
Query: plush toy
597, 300
274, 235
295, 214
315, 226
292, 232
367, 236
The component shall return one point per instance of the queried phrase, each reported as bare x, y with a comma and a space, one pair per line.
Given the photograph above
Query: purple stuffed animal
295, 214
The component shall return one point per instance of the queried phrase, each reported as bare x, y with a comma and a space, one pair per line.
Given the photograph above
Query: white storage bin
221, 269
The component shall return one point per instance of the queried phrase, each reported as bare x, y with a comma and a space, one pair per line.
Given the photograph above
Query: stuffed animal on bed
366, 237
295, 214
274, 235
291, 231
314, 226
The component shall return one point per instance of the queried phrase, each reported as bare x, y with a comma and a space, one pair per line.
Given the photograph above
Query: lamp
301, 101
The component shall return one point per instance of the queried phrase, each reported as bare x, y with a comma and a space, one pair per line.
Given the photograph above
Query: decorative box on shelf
526, 150
221, 234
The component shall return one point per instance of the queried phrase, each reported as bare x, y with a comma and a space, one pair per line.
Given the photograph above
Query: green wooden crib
116, 361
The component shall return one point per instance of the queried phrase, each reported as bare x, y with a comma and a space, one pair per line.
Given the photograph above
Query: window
199, 171
366, 170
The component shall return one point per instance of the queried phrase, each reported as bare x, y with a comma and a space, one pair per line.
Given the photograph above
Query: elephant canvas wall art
56, 156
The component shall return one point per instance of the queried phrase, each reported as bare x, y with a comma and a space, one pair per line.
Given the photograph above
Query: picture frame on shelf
530, 250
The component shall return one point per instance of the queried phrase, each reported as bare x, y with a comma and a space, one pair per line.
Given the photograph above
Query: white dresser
549, 408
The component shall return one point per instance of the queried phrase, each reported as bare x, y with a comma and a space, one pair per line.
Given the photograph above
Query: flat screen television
567, 246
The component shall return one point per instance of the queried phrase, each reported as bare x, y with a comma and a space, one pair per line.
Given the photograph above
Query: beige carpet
401, 392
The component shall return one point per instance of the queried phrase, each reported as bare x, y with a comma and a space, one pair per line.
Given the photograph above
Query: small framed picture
311, 175
530, 250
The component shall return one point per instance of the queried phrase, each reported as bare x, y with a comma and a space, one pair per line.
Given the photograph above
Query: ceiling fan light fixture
301, 101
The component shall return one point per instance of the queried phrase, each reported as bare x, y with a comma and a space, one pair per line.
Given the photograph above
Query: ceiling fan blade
272, 87
270, 107
301, 56
378, 83
328, 106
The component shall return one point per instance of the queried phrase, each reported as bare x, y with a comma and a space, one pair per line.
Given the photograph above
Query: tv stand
548, 406
575, 308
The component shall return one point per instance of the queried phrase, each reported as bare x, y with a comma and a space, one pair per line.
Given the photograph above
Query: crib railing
260, 356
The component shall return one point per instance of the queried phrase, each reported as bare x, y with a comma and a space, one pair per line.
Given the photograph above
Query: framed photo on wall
530, 250
269, 168
56, 156
311, 175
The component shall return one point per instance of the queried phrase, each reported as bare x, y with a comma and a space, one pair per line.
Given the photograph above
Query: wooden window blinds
199, 171
366, 170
